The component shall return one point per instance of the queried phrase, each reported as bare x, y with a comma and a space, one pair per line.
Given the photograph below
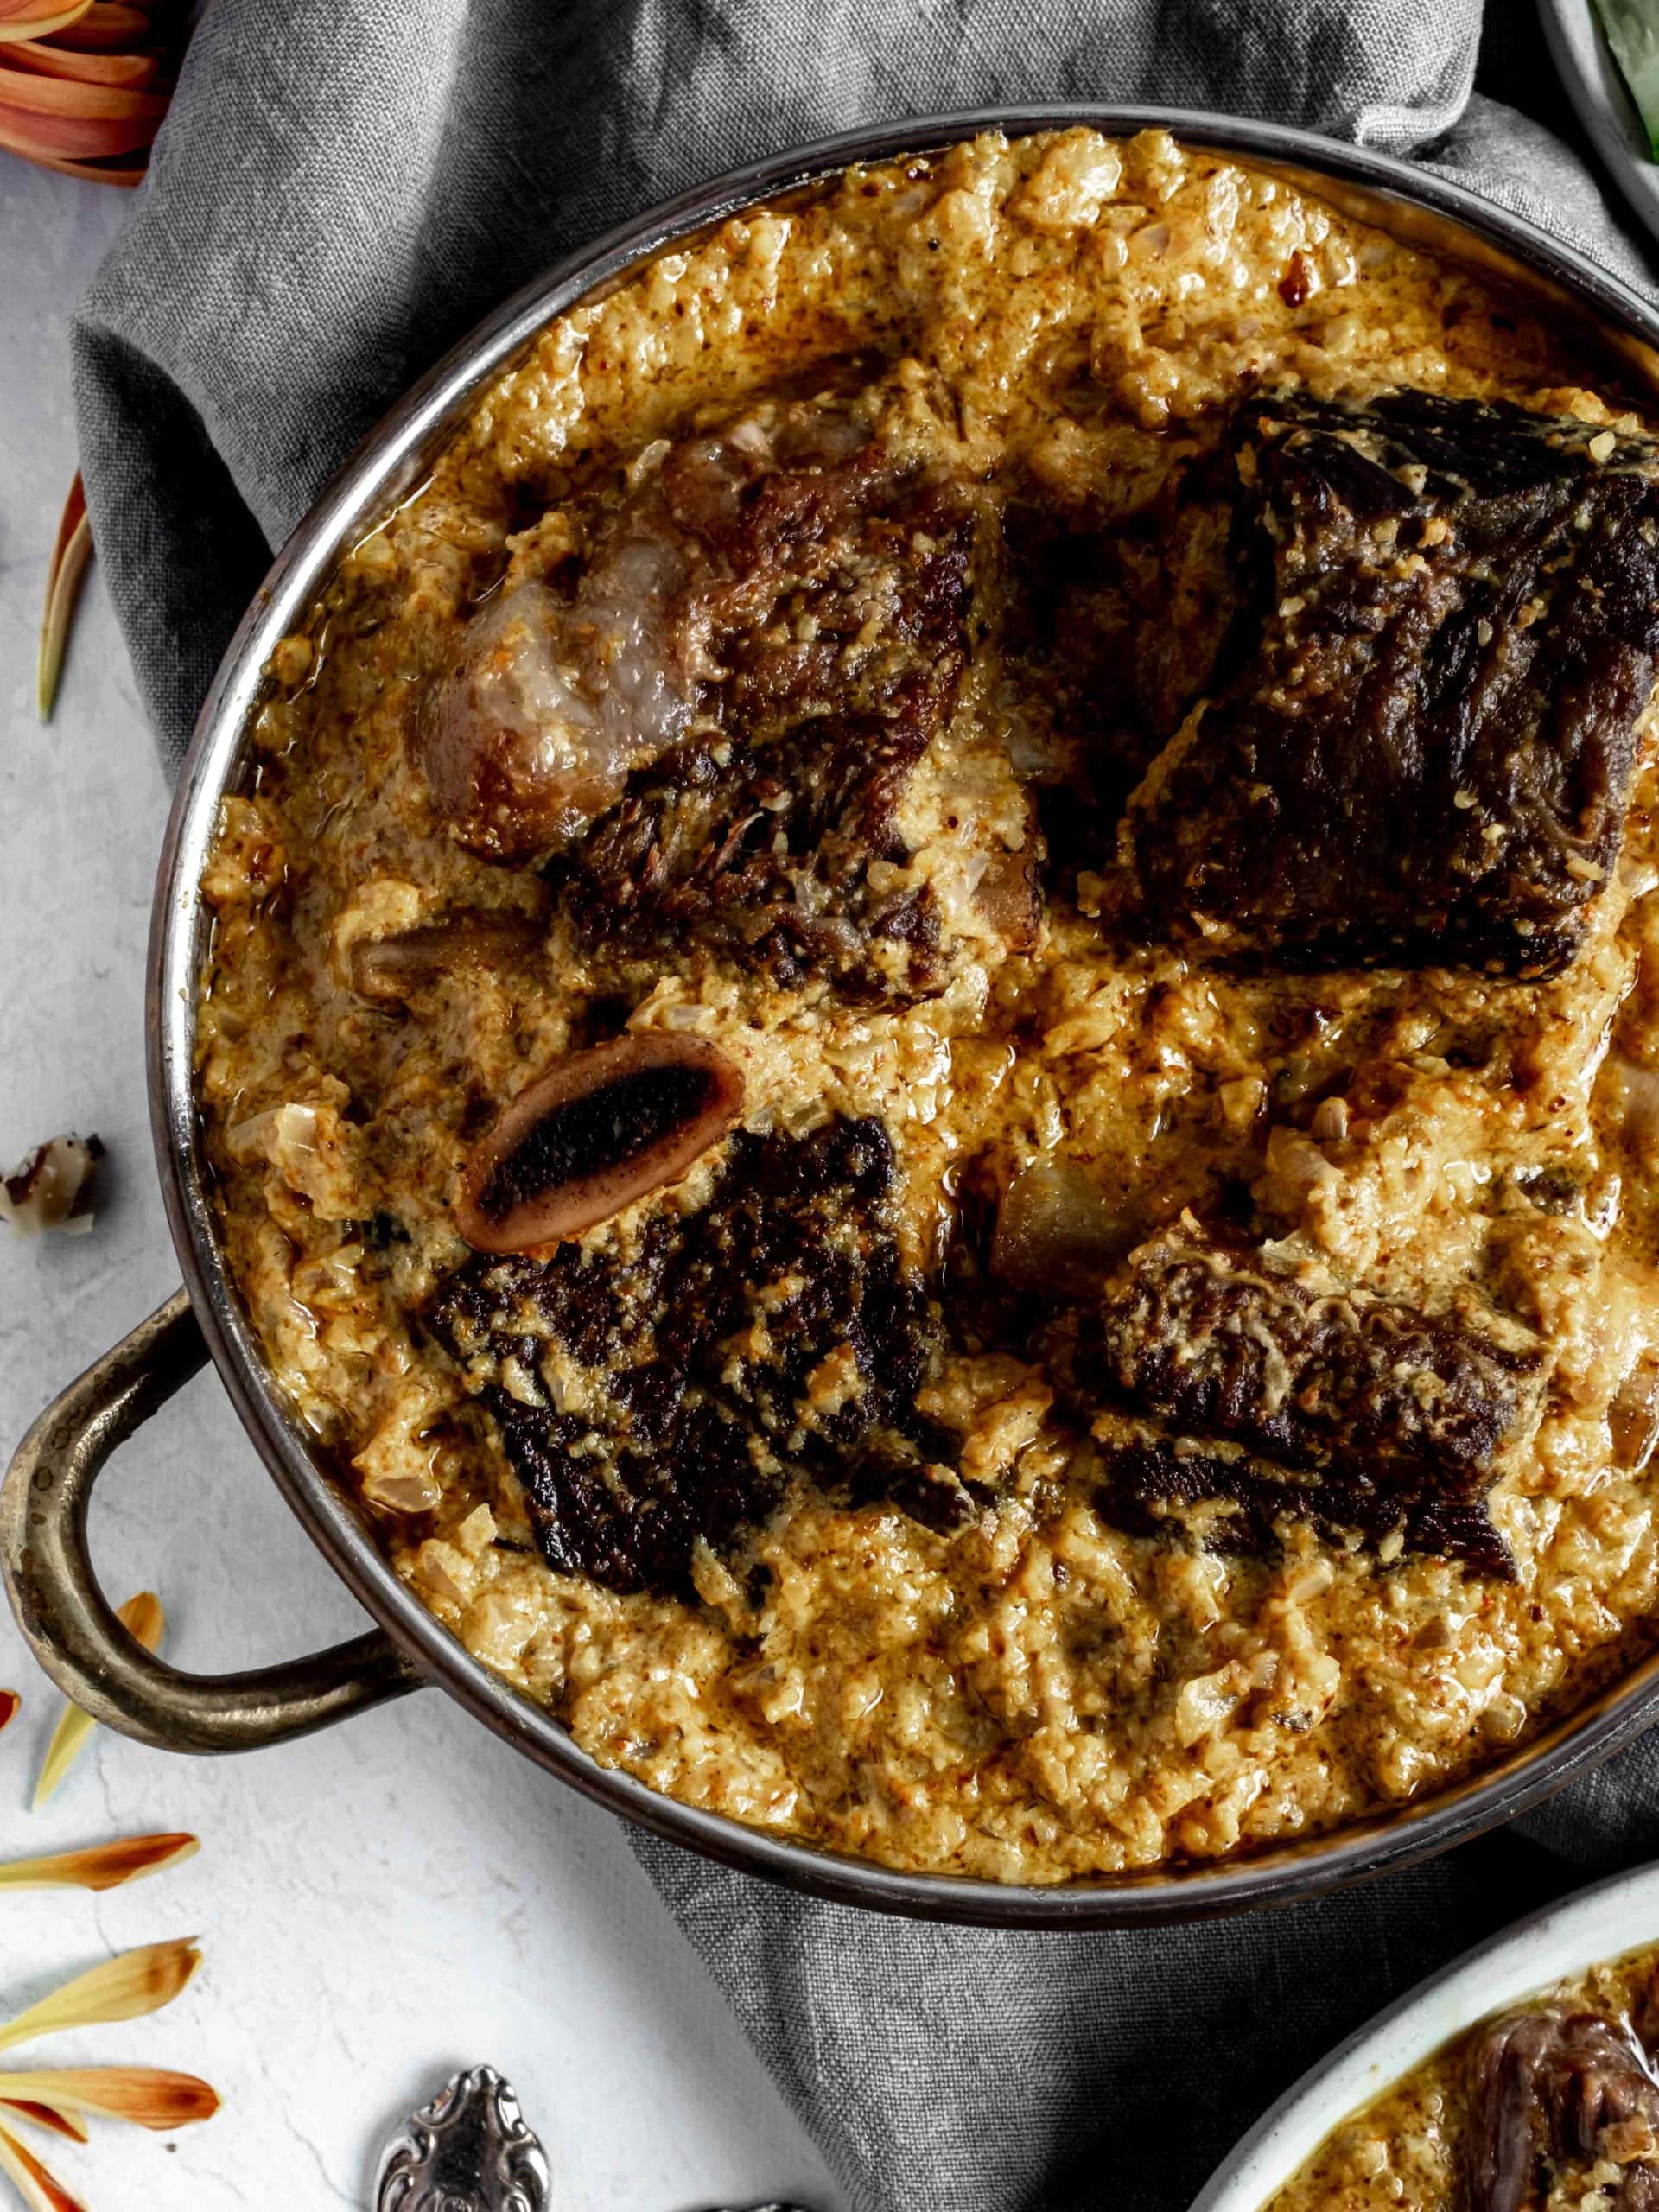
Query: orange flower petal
69, 557
40, 2190
39, 18
142, 1615
61, 2123
145, 2096
129, 173
74, 137
136, 70
106, 27
122, 1988
65, 96
105, 1866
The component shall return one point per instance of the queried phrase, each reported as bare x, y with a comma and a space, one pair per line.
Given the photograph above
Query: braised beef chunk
1211, 1338
1419, 738
1161, 1485
1153, 1483
1548, 2089
1256, 1394
650, 1397
1455, 1527
821, 625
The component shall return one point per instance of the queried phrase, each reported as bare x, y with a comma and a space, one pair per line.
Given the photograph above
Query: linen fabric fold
340, 190
343, 188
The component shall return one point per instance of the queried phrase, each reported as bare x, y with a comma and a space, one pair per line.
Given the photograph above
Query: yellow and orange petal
41, 2190
123, 1989
99, 1866
143, 2096
73, 550
61, 2123
84, 83
37, 19
141, 1615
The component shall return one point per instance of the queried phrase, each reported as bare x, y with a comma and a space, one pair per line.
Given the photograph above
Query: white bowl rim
1604, 1921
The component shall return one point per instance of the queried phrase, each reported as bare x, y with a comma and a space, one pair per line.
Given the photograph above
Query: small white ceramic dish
1565, 1938
1603, 104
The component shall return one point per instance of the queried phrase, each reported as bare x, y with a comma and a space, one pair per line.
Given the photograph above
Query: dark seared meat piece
1222, 1394
1207, 1337
1421, 738
1156, 1485
821, 628
651, 1398
765, 857
1546, 2087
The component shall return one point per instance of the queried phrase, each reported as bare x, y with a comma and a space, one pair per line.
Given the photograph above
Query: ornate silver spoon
471, 2150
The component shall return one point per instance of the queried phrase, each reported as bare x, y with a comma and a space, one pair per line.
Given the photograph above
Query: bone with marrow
601, 1130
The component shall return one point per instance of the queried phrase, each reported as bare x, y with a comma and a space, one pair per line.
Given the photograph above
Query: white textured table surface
380, 1904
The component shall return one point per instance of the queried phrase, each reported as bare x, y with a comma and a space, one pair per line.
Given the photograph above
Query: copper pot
69, 1624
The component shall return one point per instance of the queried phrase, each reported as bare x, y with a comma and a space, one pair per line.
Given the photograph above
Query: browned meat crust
1211, 1338
1160, 1485
697, 1364
1422, 740
1344, 1407
825, 614
1547, 2088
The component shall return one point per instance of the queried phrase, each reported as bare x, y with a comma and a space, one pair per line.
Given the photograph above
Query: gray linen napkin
340, 192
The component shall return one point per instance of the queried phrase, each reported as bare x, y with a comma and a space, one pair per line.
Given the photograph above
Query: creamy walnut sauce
1067, 667
1550, 2106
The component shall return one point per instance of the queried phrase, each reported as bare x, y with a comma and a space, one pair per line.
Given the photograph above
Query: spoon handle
471, 2150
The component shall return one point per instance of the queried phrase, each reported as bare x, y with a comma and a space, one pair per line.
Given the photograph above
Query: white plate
1565, 1938
1603, 104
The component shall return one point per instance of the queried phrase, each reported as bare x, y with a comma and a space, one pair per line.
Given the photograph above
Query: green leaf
1632, 28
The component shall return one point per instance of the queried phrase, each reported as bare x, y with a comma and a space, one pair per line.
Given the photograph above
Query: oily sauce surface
1019, 1689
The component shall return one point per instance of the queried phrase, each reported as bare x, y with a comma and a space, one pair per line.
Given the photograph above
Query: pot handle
68, 1622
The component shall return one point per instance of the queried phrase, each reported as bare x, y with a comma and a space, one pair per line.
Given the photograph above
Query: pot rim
386, 467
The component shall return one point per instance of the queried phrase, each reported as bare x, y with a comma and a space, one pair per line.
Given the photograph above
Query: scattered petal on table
61, 2123
122, 1988
145, 2096
102, 1866
37, 2187
143, 1617
69, 557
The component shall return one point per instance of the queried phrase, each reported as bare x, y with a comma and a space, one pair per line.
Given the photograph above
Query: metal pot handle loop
68, 1622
